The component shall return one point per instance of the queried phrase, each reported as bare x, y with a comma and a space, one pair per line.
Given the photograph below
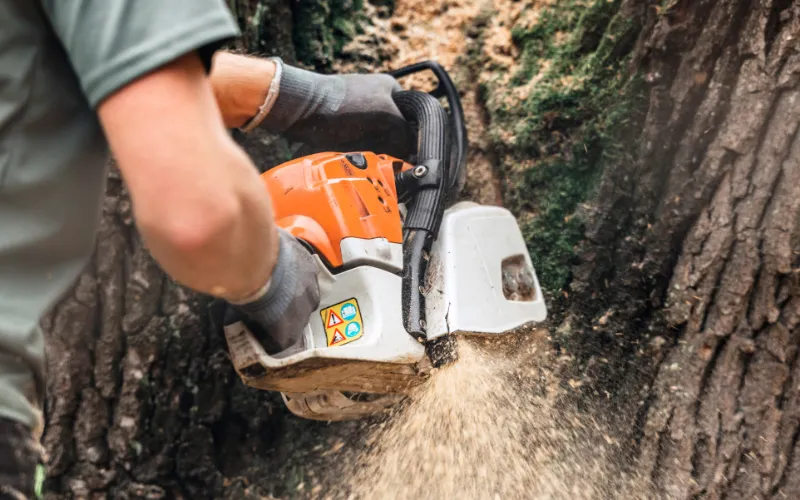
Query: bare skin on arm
240, 85
197, 198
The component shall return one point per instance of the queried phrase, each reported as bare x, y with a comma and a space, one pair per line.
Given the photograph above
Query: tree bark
693, 251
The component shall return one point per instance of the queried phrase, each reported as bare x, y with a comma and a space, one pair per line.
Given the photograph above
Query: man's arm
198, 201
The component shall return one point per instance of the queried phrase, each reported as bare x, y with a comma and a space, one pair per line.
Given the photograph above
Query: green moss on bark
266, 27
557, 120
323, 27
310, 32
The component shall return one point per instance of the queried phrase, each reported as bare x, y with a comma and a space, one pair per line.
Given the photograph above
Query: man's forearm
198, 201
229, 245
240, 85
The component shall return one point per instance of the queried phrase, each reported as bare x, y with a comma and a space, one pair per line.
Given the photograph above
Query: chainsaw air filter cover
326, 198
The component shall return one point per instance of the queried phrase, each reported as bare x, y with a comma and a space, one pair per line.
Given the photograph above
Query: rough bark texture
693, 252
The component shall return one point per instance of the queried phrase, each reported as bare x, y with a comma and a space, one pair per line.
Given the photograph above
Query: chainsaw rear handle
458, 130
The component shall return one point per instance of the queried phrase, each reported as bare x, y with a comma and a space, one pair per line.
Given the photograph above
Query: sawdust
486, 428
492, 425
417, 30
501, 55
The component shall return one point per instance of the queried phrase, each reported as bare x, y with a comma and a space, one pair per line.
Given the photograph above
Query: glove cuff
269, 100
302, 94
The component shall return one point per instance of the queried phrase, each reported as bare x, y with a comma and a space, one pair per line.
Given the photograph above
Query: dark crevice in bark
782, 480
497, 175
661, 447
708, 370
740, 454
720, 274
700, 449
789, 390
719, 437
768, 275
774, 22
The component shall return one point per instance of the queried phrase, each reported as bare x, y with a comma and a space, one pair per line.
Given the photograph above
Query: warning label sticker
342, 322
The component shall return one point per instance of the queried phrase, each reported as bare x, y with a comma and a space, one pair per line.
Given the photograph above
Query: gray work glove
278, 318
351, 112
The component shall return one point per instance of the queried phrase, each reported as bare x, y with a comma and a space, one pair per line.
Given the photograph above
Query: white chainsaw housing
473, 288
479, 252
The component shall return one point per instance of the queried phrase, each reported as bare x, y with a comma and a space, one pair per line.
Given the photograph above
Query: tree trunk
693, 252
683, 301
726, 405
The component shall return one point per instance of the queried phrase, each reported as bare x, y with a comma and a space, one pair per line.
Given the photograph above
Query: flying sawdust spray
476, 430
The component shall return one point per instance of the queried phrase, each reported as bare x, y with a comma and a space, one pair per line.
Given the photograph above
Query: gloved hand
278, 317
351, 112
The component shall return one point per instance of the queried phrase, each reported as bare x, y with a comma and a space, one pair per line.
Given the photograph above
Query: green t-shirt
58, 60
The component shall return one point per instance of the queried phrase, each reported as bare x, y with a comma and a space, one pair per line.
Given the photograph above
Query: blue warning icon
352, 329
348, 312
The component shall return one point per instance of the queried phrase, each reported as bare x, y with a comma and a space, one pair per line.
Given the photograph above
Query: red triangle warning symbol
337, 337
334, 320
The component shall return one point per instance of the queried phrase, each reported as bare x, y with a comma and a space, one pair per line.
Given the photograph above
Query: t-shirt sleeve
113, 42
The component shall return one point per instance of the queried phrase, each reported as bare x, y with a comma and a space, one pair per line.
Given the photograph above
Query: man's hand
340, 112
279, 316
325, 112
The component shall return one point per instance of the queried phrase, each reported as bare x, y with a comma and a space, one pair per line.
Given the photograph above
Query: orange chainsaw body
327, 197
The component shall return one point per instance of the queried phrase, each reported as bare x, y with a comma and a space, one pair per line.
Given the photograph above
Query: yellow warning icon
342, 322
337, 337
333, 320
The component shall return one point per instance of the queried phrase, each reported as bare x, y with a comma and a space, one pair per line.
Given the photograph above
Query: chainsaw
404, 268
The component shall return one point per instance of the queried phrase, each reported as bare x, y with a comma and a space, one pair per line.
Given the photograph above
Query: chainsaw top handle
457, 126
430, 185
424, 189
